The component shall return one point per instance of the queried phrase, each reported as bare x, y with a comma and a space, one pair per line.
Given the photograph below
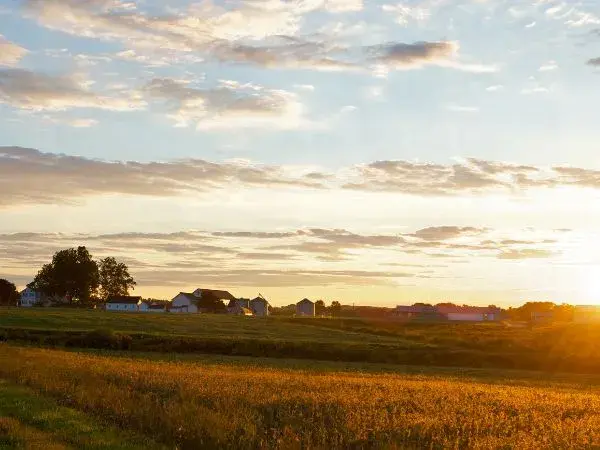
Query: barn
305, 307
259, 306
128, 303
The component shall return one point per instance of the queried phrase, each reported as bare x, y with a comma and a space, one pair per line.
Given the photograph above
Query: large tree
320, 307
72, 274
114, 278
335, 308
8, 293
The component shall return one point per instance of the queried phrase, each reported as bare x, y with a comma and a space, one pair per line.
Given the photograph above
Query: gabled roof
259, 300
219, 295
305, 300
467, 310
188, 295
124, 299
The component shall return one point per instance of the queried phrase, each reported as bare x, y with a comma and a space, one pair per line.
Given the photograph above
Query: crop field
224, 402
554, 348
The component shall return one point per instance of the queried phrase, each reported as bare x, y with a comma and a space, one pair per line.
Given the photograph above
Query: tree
8, 293
319, 307
72, 274
210, 304
114, 278
335, 308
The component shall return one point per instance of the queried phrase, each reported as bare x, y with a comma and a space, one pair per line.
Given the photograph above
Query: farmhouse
152, 307
305, 307
30, 297
127, 303
186, 302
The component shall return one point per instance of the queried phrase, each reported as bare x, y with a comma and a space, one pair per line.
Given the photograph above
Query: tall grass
231, 406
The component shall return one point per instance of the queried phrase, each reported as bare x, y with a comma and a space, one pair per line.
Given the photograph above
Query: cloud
549, 66
462, 108
10, 53
494, 88
62, 178
229, 105
399, 55
37, 92
404, 14
594, 62
447, 232
57, 178
529, 253
264, 33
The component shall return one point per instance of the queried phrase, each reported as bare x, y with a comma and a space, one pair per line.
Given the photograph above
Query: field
78, 379
557, 348
220, 402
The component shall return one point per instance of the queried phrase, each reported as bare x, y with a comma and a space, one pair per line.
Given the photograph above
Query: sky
370, 152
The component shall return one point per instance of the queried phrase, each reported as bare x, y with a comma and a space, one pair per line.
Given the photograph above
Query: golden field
189, 404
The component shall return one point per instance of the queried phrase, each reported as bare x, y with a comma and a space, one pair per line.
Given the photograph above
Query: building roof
447, 309
466, 310
259, 300
305, 300
219, 295
188, 295
124, 299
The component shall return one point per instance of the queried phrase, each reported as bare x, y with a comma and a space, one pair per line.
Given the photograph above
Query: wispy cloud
10, 53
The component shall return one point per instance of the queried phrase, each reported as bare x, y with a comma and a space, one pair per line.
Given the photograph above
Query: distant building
31, 297
259, 306
186, 302
153, 307
305, 307
239, 307
124, 303
449, 312
587, 314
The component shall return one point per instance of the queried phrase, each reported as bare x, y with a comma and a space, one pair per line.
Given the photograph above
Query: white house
152, 307
30, 297
123, 303
305, 307
186, 302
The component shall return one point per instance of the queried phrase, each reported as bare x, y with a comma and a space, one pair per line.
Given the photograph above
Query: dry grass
15, 435
232, 406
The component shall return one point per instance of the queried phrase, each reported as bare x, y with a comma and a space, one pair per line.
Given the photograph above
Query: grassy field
196, 325
220, 402
31, 421
560, 347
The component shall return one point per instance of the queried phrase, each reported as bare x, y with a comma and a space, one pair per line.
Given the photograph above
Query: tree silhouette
8, 293
114, 278
72, 274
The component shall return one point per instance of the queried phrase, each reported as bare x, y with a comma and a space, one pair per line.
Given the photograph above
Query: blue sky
342, 115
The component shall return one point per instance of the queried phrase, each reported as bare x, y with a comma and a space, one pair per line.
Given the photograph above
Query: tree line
73, 277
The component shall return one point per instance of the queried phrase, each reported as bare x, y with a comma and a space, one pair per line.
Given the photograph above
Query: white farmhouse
123, 303
186, 302
30, 297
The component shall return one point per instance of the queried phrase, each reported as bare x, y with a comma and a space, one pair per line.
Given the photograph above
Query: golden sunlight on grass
237, 406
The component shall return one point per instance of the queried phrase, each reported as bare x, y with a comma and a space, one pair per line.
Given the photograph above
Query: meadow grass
222, 405
31, 421
560, 347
